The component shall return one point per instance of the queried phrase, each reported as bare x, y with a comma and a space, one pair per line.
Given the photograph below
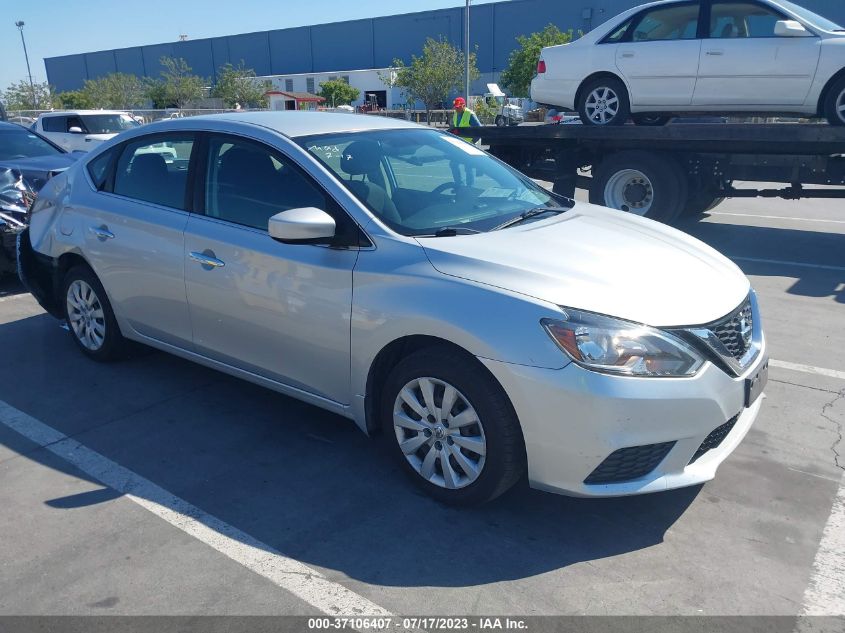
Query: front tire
604, 101
452, 427
642, 183
834, 103
90, 317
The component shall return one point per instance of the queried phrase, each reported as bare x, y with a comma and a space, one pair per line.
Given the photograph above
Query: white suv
710, 56
82, 129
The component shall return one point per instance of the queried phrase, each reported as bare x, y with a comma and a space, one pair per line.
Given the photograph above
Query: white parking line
781, 262
808, 369
302, 581
775, 217
825, 594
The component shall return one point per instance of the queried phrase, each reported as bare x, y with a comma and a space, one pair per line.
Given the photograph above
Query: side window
247, 183
678, 22
98, 169
742, 19
618, 34
54, 123
155, 172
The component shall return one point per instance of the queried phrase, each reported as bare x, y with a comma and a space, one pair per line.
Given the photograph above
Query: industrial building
307, 55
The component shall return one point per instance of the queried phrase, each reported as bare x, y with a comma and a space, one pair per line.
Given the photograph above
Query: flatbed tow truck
680, 169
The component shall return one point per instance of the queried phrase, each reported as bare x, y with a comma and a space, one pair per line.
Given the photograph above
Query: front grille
715, 438
629, 463
734, 331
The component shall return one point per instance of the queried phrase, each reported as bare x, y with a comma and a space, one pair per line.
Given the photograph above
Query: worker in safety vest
464, 117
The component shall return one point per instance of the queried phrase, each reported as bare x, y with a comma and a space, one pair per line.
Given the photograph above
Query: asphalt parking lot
155, 486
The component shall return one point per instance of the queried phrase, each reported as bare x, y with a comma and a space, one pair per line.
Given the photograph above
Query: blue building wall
361, 44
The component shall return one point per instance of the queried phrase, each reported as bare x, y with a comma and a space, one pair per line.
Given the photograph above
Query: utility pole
20, 26
466, 52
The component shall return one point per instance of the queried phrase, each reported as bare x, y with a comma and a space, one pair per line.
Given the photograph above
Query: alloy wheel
840, 106
602, 105
85, 315
439, 432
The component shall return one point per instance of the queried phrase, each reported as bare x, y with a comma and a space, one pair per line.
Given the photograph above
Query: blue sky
63, 27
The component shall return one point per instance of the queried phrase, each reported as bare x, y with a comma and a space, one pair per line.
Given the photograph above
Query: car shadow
303, 481
10, 285
761, 251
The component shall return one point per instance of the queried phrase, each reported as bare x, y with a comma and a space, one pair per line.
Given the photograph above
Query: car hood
604, 261
38, 170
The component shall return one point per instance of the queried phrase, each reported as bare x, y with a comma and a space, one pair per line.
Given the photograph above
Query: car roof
294, 124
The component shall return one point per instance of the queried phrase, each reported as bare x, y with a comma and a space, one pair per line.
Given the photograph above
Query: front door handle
102, 233
715, 53
627, 54
207, 259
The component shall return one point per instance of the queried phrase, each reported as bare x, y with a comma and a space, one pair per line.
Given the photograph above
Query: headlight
615, 346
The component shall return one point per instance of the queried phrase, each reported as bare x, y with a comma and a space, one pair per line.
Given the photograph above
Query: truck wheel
501, 121
451, 427
834, 103
604, 101
645, 184
701, 203
650, 119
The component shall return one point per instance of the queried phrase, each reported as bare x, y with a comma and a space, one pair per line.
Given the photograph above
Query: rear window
54, 124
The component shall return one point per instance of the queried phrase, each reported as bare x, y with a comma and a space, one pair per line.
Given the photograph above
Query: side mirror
306, 225
790, 28
75, 130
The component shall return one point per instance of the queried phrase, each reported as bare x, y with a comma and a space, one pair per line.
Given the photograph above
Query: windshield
813, 18
108, 123
24, 144
422, 181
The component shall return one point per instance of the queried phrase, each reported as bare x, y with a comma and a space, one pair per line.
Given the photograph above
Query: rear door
55, 128
743, 62
658, 55
134, 233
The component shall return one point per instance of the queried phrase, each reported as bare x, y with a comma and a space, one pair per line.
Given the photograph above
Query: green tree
337, 92
522, 63
72, 100
21, 96
238, 85
433, 76
116, 91
180, 86
156, 92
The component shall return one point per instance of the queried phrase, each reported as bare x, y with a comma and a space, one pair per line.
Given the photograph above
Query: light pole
20, 26
466, 51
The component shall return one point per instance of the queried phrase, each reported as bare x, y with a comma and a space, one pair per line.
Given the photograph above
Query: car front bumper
573, 419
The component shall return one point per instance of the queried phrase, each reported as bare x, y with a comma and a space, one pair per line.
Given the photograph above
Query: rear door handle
715, 53
207, 259
627, 54
102, 233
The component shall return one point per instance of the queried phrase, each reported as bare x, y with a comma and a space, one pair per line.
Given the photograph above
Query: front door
744, 63
281, 311
658, 56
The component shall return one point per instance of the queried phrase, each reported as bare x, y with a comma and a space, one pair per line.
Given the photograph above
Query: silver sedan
405, 279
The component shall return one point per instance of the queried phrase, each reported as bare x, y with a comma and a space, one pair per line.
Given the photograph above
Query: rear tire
650, 120
701, 203
604, 101
440, 456
649, 185
90, 317
834, 103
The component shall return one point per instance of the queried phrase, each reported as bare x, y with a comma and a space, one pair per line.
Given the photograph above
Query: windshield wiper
450, 231
530, 213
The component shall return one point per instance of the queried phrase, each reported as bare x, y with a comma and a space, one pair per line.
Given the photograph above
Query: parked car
489, 329
703, 56
83, 129
27, 161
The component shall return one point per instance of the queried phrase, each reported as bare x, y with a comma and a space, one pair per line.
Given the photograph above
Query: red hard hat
459, 102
